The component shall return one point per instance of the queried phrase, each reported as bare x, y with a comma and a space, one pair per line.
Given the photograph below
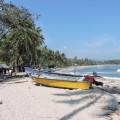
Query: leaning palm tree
25, 45
24, 36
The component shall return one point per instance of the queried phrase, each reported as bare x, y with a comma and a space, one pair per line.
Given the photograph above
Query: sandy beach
21, 99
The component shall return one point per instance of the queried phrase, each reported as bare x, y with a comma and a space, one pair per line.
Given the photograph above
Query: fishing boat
62, 82
38, 72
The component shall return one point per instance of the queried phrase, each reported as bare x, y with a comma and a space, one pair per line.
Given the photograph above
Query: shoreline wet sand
21, 99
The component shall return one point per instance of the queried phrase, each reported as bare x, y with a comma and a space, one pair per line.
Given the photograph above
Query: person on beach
92, 80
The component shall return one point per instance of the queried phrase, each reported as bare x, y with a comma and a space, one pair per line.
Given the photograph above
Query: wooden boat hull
62, 83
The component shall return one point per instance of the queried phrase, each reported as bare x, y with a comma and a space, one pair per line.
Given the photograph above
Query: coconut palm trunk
16, 58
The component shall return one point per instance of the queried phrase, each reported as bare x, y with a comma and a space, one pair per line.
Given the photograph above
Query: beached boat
61, 82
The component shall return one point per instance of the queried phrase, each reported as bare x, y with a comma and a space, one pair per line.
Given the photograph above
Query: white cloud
65, 47
102, 48
98, 43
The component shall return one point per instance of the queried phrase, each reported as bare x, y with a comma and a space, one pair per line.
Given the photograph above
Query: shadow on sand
11, 79
91, 96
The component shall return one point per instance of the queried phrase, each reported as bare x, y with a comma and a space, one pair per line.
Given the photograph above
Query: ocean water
30, 70
106, 71
111, 71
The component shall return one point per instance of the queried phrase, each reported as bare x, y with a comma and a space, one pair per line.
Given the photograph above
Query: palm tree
24, 36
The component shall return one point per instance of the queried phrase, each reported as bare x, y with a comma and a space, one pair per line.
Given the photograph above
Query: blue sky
82, 28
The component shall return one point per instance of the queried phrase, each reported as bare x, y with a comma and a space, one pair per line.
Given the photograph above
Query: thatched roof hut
4, 66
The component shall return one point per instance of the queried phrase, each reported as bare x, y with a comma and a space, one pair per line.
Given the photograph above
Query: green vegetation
86, 61
22, 42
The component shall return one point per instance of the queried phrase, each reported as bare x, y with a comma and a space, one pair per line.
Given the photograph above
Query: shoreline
20, 99
66, 69
73, 68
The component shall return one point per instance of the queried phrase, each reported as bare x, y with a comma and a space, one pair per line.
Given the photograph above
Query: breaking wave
118, 70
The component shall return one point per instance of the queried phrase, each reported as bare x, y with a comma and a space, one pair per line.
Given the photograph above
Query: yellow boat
61, 83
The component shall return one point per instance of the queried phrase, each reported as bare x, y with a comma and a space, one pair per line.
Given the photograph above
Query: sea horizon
106, 71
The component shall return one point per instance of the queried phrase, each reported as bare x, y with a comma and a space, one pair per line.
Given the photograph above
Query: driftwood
13, 82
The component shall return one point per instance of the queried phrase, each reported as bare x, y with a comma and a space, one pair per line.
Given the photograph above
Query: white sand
23, 100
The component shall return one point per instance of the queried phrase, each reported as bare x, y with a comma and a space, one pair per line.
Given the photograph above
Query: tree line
86, 61
22, 42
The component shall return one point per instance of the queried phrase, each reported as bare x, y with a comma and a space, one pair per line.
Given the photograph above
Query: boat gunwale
61, 80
